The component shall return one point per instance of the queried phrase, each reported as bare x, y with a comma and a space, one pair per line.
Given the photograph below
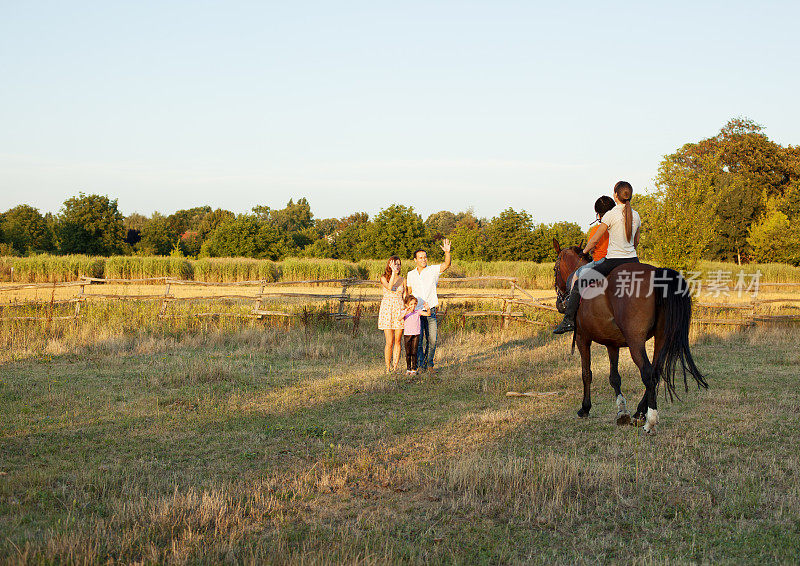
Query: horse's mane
579, 252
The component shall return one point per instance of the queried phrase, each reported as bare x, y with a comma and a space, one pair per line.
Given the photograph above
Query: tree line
734, 196
93, 225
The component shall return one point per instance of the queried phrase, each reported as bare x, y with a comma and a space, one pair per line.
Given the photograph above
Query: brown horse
654, 302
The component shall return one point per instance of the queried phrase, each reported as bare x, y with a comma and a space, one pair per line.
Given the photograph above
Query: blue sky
358, 105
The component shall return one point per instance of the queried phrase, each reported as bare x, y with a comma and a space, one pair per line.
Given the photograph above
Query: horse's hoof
649, 431
583, 414
623, 419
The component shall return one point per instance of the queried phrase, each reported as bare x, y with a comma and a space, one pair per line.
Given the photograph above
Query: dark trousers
608, 265
429, 331
411, 351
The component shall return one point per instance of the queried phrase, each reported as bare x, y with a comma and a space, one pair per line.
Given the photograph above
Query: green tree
24, 228
511, 238
245, 235
737, 206
351, 239
188, 219
295, 223
398, 230
739, 170
775, 239
441, 224
211, 220
567, 234
469, 242
679, 217
190, 243
90, 224
158, 236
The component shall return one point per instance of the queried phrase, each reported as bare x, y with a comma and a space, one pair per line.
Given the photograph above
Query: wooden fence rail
512, 296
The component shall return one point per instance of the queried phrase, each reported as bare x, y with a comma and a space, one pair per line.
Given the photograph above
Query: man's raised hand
446, 246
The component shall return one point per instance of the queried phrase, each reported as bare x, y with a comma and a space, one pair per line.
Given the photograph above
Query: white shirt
618, 244
423, 285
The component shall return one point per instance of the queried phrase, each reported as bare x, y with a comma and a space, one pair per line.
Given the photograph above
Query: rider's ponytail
624, 192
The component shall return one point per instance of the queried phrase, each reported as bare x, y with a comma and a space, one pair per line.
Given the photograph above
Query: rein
560, 295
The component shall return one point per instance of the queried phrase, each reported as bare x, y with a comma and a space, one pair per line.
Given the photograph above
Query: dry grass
230, 444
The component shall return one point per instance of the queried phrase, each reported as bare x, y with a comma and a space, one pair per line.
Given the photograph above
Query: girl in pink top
412, 326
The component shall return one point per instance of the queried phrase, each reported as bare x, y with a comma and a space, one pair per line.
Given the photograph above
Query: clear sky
358, 105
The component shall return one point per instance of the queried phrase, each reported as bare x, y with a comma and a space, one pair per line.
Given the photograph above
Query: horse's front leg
585, 349
623, 416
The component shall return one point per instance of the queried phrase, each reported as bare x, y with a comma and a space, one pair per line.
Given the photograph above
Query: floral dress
390, 317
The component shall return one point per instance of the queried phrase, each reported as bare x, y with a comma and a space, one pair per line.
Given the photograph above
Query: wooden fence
511, 298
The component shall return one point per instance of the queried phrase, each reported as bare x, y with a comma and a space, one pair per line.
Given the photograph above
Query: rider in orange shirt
601, 206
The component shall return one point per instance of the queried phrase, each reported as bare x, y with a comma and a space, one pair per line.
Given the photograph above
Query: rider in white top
623, 226
618, 245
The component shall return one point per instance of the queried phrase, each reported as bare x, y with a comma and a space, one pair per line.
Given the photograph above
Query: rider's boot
571, 304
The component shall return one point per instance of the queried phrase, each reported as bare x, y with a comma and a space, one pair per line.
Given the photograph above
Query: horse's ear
556, 246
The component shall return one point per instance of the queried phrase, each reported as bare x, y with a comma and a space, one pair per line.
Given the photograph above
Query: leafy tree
135, 221
188, 219
567, 233
351, 239
90, 224
398, 230
325, 227
245, 235
158, 236
211, 220
739, 171
441, 224
24, 228
679, 216
775, 239
511, 238
737, 207
190, 243
469, 242
321, 247
295, 223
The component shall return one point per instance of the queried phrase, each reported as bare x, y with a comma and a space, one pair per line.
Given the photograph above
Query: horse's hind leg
585, 349
647, 408
623, 416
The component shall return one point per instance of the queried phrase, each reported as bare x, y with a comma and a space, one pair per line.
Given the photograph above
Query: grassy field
217, 442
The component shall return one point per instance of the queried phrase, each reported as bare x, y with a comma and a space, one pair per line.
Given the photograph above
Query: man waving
422, 281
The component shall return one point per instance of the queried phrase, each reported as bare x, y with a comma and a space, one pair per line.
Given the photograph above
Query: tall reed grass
294, 269
232, 269
135, 267
46, 268
49, 268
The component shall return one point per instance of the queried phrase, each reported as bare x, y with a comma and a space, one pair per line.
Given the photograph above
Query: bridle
560, 295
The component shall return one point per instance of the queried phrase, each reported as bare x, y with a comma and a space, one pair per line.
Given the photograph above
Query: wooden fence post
78, 302
165, 301
343, 299
260, 302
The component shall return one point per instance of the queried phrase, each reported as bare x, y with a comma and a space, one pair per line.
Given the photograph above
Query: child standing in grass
412, 328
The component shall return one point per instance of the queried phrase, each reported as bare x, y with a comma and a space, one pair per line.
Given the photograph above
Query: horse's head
568, 260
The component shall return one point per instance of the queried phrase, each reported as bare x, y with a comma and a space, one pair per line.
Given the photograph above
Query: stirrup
567, 325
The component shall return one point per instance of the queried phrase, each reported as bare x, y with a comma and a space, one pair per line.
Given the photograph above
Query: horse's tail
674, 303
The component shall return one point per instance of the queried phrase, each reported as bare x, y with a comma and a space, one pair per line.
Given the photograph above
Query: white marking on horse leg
652, 420
622, 405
